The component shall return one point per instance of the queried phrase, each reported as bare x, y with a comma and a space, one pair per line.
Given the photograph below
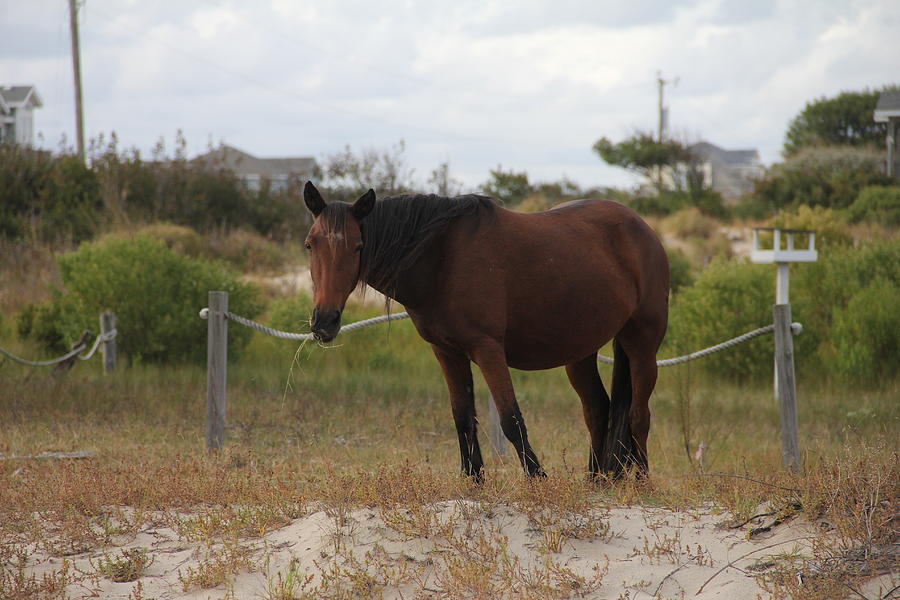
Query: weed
128, 566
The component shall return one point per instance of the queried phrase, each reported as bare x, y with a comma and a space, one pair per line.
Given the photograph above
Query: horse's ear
314, 201
363, 206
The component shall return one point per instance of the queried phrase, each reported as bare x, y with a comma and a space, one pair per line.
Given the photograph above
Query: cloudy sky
526, 84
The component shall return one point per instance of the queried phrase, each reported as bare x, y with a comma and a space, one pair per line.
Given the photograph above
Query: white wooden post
108, 324
216, 370
784, 381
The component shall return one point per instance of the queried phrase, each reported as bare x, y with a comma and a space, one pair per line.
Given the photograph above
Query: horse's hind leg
585, 378
458, 374
641, 344
617, 451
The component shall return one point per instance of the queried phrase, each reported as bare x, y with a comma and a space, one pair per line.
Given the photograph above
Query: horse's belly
536, 351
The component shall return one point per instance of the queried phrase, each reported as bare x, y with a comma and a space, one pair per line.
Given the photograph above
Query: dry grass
341, 444
361, 437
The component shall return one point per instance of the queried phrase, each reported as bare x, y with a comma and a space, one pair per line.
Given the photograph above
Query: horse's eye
308, 246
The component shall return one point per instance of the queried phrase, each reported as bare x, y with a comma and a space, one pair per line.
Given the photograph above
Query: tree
442, 182
844, 120
507, 186
348, 174
644, 155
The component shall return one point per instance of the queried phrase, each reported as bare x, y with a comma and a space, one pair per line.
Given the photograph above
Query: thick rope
286, 335
796, 328
106, 337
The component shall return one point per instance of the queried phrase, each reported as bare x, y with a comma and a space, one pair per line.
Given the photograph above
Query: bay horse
503, 289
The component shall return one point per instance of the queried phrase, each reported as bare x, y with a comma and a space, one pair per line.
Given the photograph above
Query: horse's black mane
400, 228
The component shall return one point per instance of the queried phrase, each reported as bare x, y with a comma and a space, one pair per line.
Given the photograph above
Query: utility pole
663, 109
76, 67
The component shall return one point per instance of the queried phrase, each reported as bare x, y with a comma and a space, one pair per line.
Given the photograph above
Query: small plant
217, 566
290, 586
129, 566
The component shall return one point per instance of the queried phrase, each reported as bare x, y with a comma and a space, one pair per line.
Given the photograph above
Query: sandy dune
630, 552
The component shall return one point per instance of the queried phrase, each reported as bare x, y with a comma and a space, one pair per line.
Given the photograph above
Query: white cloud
529, 85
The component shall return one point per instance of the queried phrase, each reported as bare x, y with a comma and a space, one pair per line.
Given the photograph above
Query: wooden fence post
787, 390
216, 369
108, 324
497, 438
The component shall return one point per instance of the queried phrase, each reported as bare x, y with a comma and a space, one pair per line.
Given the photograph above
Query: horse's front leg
491, 359
458, 374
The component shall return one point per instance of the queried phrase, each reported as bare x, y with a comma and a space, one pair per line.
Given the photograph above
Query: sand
634, 553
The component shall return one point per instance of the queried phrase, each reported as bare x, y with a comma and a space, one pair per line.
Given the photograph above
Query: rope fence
796, 328
218, 315
107, 338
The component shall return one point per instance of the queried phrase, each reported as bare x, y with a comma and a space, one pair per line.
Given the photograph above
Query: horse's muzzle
325, 325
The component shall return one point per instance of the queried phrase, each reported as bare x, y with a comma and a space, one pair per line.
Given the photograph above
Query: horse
504, 289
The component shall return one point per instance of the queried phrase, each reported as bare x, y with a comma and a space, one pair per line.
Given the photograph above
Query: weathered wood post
785, 382
498, 439
107, 325
787, 389
216, 369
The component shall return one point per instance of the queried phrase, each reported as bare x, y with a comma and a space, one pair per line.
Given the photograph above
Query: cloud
529, 85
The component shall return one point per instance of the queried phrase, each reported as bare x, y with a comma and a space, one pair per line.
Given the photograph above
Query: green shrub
821, 176
866, 334
727, 299
679, 269
155, 293
292, 314
49, 197
846, 302
878, 204
829, 225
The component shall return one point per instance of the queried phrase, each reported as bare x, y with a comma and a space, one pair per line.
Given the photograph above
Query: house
887, 110
17, 102
279, 172
729, 172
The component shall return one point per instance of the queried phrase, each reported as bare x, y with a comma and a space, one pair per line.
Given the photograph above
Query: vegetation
877, 204
57, 198
362, 427
153, 291
827, 176
845, 120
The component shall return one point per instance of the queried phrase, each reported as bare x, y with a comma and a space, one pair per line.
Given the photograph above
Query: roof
888, 106
710, 151
20, 95
245, 164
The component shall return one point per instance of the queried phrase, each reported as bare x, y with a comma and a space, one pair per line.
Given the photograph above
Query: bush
154, 292
866, 334
679, 269
727, 299
831, 177
846, 302
51, 198
829, 225
877, 203
691, 223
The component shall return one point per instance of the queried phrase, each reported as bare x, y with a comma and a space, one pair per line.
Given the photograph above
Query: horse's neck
415, 286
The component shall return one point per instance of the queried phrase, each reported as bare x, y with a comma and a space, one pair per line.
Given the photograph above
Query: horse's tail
617, 453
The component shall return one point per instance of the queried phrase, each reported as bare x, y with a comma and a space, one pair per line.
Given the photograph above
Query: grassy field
367, 423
